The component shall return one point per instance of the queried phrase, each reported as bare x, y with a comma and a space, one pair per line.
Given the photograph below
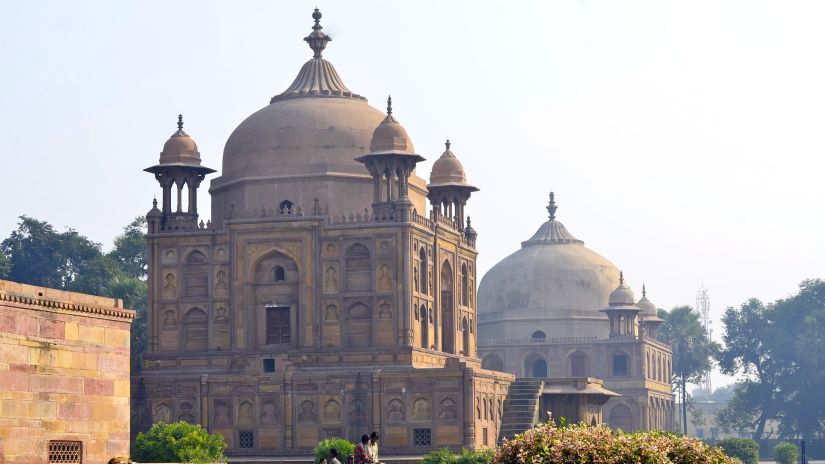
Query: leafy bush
445, 456
786, 453
548, 444
179, 442
343, 447
744, 449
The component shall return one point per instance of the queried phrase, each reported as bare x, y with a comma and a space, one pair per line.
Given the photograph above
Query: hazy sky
683, 139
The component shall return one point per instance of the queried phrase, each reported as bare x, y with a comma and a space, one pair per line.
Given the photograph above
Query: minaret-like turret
622, 311
391, 161
650, 320
448, 190
180, 168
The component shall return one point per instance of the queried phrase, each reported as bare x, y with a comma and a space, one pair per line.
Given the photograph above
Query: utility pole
703, 307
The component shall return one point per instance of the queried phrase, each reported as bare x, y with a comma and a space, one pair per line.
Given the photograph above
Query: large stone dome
552, 279
303, 146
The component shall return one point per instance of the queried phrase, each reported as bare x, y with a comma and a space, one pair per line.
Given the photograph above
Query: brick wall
64, 373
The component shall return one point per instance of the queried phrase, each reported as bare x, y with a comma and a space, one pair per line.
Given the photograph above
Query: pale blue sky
683, 139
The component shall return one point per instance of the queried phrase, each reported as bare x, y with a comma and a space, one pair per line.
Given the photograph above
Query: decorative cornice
80, 308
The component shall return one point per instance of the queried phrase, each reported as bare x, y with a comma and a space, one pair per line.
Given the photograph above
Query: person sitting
372, 448
333, 456
361, 456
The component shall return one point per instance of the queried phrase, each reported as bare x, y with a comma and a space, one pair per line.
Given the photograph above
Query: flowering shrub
548, 444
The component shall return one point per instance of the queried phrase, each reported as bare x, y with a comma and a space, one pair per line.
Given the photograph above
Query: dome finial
644, 291
551, 207
389, 105
317, 40
447, 144
621, 278
180, 122
155, 202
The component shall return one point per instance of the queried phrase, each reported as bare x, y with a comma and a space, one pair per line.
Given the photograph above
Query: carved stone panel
384, 279
331, 277
170, 284
221, 282
169, 256
395, 411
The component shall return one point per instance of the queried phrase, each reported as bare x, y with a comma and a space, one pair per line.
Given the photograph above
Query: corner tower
179, 173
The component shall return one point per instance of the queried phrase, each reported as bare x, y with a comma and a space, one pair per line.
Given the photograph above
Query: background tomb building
556, 310
322, 300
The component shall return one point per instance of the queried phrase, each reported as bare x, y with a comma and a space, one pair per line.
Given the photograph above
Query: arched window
539, 368
486, 409
620, 366
359, 326
278, 274
535, 366
423, 276
425, 327
195, 333
465, 286
465, 335
539, 335
286, 207
621, 418
578, 365
493, 363
196, 275
359, 268
447, 318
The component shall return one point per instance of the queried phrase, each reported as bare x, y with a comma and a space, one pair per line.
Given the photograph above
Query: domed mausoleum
556, 310
303, 146
332, 293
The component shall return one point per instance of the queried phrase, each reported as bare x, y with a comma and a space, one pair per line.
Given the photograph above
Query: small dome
390, 136
180, 148
447, 170
623, 295
647, 306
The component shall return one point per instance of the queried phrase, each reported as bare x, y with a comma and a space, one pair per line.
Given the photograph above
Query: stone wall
64, 374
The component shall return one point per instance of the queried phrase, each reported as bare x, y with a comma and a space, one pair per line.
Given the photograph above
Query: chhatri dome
553, 278
180, 149
447, 170
303, 146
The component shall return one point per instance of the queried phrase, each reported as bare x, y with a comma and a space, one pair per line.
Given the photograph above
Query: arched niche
358, 326
578, 364
276, 302
492, 362
195, 330
447, 309
358, 265
196, 275
621, 418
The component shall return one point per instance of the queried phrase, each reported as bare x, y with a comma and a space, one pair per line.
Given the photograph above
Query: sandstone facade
323, 299
64, 376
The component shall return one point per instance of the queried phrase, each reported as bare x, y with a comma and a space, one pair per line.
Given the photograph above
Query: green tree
779, 351
5, 264
131, 251
179, 442
39, 255
751, 351
692, 350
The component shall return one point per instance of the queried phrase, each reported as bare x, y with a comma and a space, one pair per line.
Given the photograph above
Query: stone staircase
521, 409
